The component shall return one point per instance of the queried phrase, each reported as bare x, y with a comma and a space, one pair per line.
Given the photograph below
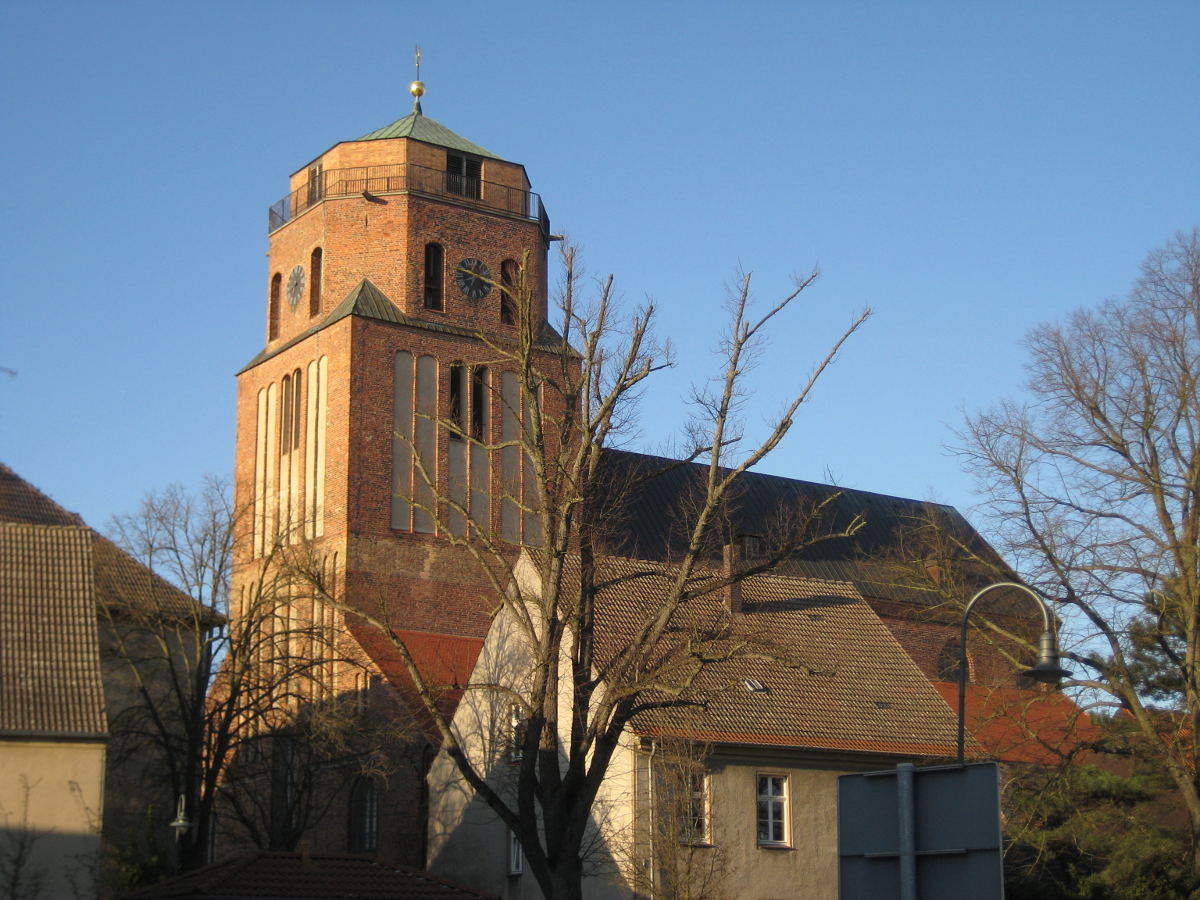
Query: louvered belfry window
462, 175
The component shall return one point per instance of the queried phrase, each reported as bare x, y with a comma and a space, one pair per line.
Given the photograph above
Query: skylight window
754, 686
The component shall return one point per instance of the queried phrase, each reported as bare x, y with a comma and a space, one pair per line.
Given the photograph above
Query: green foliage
1095, 832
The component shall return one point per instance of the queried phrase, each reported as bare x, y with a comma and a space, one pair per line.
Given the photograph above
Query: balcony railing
378, 180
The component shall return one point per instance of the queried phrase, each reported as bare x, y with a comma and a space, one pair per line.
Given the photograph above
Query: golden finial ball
417, 88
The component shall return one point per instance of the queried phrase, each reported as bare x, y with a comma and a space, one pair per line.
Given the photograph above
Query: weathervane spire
417, 88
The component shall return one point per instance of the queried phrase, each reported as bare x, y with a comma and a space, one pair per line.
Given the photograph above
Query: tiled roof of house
1025, 726
50, 680
833, 677
118, 580
267, 874
21, 502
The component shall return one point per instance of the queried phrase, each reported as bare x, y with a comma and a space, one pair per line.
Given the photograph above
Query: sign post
921, 834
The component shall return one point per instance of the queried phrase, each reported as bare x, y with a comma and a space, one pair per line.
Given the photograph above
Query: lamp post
181, 823
1047, 668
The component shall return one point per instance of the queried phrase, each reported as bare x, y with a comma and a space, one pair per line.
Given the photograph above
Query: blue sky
967, 169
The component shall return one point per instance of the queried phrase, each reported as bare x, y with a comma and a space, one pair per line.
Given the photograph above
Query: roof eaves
367, 301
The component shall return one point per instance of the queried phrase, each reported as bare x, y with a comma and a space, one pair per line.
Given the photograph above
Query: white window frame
699, 796
516, 858
516, 734
777, 807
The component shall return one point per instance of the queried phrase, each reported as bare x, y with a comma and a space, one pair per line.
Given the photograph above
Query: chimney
733, 591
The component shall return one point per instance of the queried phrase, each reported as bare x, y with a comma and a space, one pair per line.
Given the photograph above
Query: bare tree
690, 863
576, 394
224, 697
1094, 491
20, 876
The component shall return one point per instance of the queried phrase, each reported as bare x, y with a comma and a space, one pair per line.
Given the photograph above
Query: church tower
379, 423
394, 262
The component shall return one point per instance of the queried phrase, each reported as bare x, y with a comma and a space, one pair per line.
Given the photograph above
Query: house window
508, 280
364, 816
772, 810
516, 860
435, 260
314, 285
516, 734
273, 307
696, 809
462, 175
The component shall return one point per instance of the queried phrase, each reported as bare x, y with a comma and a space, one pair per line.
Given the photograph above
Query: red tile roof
444, 661
267, 874
1026, 726
50, 681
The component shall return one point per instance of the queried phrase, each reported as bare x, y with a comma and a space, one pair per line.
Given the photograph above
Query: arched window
948, 662
364, 816
435, 259
508, 280
314, 286
273, 307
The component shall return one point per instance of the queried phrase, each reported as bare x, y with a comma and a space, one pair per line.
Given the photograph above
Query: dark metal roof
652, 495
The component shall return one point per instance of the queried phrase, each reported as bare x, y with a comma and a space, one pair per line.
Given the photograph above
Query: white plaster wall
63, 814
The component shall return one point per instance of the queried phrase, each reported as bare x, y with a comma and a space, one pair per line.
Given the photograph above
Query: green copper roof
370, 302
420, 128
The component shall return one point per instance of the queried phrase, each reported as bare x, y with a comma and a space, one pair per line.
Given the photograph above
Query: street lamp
1047, 668
181, 823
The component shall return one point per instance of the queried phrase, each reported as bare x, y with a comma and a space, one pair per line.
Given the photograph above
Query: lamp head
1048, 670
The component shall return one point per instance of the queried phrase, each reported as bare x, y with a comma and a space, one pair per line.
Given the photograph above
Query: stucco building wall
51, 801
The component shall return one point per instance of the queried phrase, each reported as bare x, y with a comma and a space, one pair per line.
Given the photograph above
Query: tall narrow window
273, 307
402, 442
458, 401
315, 184
314, 285
516, 734
772, 810
516, 860
696, 817
314, 449
364, 816
463, 175
478, 402
435, 259
508, 281
481, 435
285, 437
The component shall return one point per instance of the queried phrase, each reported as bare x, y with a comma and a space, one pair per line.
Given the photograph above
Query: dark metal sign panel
921, 834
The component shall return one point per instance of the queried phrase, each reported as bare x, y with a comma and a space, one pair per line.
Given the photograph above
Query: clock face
295, 286
473, 278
